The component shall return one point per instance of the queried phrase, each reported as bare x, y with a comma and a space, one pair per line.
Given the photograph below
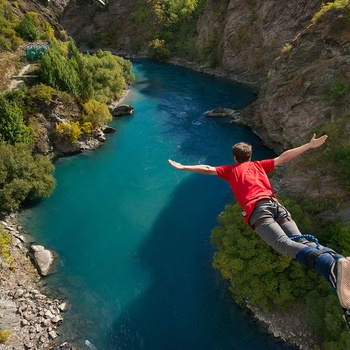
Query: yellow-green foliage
41, 92
4, 334
96, 113
171, 23
160, 51
329, 6
111, 75
48, 32
70, 130
8, 37
86, 127
5, 240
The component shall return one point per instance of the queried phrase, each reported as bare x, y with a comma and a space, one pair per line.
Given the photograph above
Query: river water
133, 234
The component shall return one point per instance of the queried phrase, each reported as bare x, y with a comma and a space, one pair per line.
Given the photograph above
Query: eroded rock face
294, 103
251, 36
85, 20
246, 36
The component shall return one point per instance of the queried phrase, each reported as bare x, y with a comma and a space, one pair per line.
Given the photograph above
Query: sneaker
343, 281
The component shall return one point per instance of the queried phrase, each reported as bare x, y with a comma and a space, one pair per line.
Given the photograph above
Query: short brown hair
242, 152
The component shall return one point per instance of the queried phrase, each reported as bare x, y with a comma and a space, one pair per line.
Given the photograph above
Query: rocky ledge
30, 319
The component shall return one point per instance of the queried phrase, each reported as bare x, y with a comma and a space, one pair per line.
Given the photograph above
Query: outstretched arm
295, 152
201, 169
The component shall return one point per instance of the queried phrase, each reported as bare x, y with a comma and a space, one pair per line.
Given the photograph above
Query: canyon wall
294, 60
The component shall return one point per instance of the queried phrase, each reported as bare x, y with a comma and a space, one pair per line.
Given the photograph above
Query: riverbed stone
121, 110
44, 259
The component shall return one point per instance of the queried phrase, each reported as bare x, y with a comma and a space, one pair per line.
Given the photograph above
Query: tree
23, 176
112, 75
96, 113
76, 59
12, 126
27, 28
57, 72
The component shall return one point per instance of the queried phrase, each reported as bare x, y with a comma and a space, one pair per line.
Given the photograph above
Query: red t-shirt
249, 182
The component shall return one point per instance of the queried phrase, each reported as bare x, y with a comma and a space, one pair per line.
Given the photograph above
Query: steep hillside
239, 38
298, 62
250, 34
307, 91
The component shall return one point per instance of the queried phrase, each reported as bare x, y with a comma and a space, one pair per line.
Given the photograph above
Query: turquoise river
133, 234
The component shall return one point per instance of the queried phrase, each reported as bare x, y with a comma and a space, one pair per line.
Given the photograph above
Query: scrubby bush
4, 334
69, 130
173, 25
96, 113
12, 126
5, 240
23, 176
9, 40
159, 50
27, 28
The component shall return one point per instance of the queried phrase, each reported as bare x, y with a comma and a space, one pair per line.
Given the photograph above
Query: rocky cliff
298, 63
248, 35
306, 92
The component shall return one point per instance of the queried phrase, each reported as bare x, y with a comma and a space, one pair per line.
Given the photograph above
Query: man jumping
271, 220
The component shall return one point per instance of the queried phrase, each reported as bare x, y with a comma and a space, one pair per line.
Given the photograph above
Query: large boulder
119, 111
45, 260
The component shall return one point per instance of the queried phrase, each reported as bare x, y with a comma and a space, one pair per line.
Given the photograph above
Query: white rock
53, 334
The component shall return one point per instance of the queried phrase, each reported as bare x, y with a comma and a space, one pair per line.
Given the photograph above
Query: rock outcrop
297, 101
121, 110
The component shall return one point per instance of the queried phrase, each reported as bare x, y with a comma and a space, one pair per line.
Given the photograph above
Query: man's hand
176, 165
317, 142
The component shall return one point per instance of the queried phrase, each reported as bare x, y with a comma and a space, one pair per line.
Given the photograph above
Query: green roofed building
35, 51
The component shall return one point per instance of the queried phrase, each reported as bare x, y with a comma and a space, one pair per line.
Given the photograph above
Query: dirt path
16, 82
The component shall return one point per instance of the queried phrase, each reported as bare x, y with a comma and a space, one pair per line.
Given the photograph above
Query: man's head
242, 152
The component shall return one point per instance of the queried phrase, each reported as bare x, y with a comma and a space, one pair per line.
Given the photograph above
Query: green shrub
253, 268
159, 49
255, 271
4, 334
339, 91
27, 28
5, 240
8, 36
112, 75
69, 71
12, 126
41, 93
96, 113
173, 25
58, 72
23, 176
